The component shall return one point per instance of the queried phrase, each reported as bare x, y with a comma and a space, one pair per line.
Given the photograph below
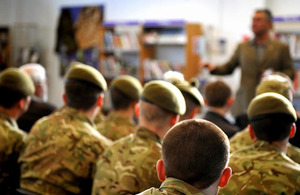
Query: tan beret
128, 85
83, 72
276, 84
270, 103
15, 79
190, 88
165, 95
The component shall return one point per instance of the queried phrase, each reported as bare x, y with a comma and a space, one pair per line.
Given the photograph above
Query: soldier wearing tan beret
62, 148
128, 166
125, 93
15, 89
264, 167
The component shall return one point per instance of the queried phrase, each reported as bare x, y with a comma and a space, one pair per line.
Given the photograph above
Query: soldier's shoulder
151, 191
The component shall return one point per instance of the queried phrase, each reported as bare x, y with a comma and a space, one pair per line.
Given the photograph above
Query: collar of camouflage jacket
145, 133
12, 122
264, 145
75, 113
179, 186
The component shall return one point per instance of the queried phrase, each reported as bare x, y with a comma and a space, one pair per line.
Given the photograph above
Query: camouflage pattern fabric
115, 126
100, 117
172, 186
242, 140
262, 169
128, 167
61, 154
12, 141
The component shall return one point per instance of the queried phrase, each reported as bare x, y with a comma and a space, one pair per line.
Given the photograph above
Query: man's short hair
273, 127
268, 14
81, 94
195, 151
217, 93
10, 98
119, 100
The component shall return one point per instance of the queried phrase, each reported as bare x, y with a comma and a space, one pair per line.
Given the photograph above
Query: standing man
255, 58
62, 149
125, 92
16, 88
128, 166
39, 106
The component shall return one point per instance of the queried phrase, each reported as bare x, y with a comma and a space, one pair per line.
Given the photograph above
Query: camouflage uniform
99, 118
262, 169
12, 141
242, 141
172, 186
128, 167
115, 126
61, 153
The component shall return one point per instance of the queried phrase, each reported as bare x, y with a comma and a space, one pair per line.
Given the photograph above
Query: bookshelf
169, 45
120, 49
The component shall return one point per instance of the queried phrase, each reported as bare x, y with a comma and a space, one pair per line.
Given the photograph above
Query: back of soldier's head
217, 93
271, 116
83, 86
14, 85
124, 90
195, 151
161, 98
277, 83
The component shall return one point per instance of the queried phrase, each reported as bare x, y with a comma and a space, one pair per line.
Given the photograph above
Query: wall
230, 18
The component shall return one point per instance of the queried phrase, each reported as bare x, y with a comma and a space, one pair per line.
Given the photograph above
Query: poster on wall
78, 35
4, 48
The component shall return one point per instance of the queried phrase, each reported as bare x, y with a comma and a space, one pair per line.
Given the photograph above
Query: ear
174, 119
100, 100
226, 174
230, 101
293, 131
160, 168
193, 113
205, 102
251, 133
137, 110
64, 97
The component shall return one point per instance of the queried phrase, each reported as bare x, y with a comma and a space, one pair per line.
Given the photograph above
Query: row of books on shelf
165, 36
126, 41
112, 67
155, 69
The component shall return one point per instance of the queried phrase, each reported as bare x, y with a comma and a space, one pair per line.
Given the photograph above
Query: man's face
260, 24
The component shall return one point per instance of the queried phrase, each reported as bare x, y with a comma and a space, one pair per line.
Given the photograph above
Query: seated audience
194, 160
124, 92
62, 149
128, 166
16, 87
264, 167
218, 98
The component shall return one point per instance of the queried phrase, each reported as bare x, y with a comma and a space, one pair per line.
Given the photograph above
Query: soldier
218, 98
15, 89
264, 168
128, 166
124, 92
280, 84
62, 148
194, 160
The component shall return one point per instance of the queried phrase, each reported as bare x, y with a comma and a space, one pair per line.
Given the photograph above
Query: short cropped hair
195, 151
10, 98
154, 114
80, 94
272, 127
119, 100
190, 103
217, 93
268, 13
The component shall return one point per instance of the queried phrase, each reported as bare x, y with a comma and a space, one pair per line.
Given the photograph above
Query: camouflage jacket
12, 141
262, 169
172, 186
99, 118
115, 126
128, 167
61, 154
242, 140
